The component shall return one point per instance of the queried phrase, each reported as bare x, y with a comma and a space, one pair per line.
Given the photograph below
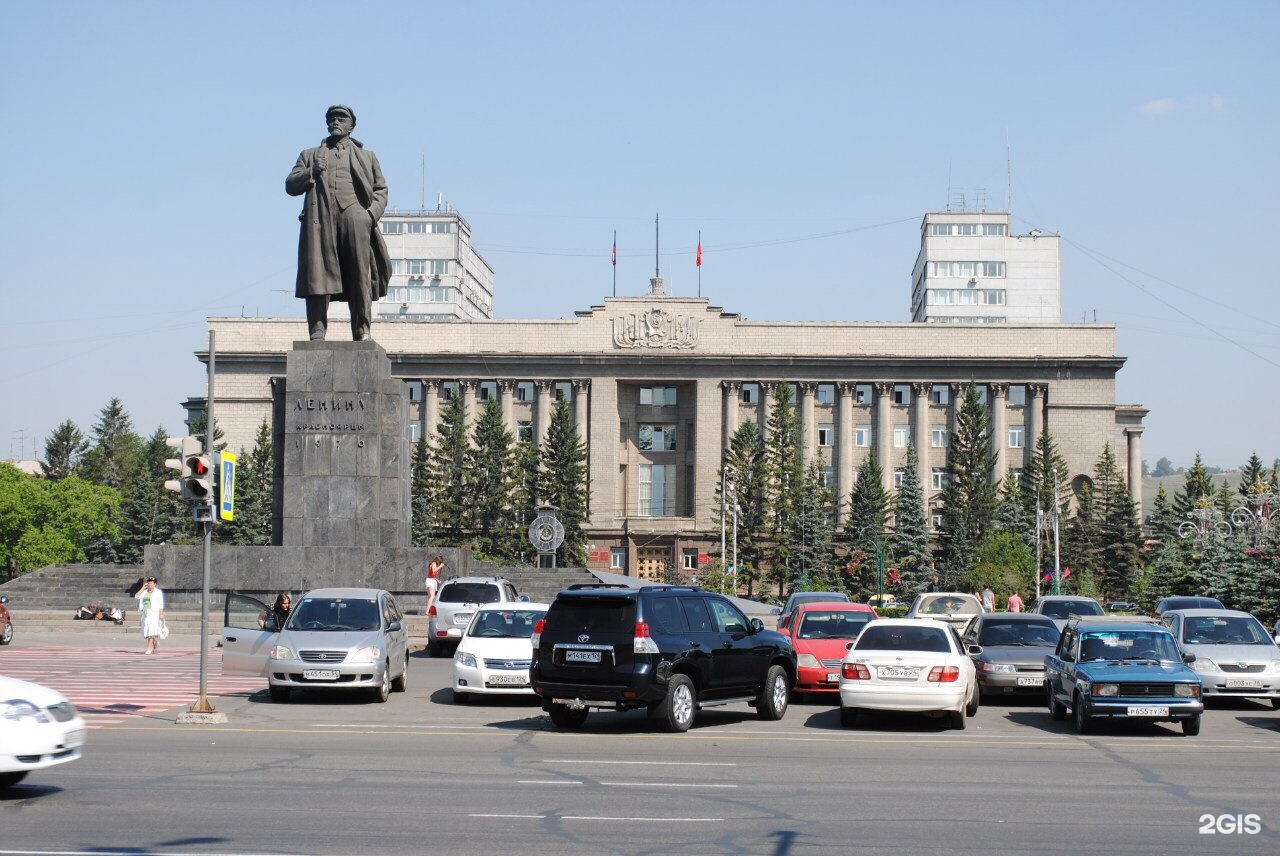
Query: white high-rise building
436, 275
972, 270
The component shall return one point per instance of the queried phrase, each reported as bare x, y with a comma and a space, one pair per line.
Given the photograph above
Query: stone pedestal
342, 448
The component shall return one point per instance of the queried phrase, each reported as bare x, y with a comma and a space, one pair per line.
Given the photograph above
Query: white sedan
909, 664
494, 654
38, 728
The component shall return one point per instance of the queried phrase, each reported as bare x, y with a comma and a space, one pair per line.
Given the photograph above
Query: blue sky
148, 143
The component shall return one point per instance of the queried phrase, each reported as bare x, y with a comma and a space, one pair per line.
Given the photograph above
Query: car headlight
371, 654
282, 652
21, 710
808, 661
1106, 689
1275, 665
996, 667
465, 658
1203, 664
1186, 690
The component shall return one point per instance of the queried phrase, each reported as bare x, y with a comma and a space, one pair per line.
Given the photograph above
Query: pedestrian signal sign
227, 486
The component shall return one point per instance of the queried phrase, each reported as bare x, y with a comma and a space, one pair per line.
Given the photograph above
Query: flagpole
699, 262
615, 262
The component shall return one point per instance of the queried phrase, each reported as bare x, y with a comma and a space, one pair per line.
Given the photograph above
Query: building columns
430, 407
1134, 437
580, 389
844, 452
884, 431
468, 388
1035, 422
542, 413
998, 397
766, 406
808, 431
506, 396
920, 404
731, 390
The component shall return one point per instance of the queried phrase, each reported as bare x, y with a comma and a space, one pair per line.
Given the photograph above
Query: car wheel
278, 693
958, 720
383, 691
849, 717
461, 697
971, 709
675, 712
6, 635
1191, 727
563, 716
1275, 704
1057, 709
1080, 717
8, 780
774, 694
435, 648
401, 683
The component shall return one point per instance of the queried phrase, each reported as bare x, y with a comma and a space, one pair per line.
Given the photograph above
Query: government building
658, 385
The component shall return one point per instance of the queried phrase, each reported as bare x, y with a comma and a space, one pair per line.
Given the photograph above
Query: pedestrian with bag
433, 580
151, 611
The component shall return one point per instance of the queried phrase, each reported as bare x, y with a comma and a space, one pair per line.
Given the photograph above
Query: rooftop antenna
1008, 173
439, 200
948, 185
655, 284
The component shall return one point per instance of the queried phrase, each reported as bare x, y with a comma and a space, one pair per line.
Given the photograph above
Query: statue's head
341, 120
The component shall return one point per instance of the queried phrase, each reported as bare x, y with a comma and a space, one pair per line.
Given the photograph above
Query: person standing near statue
341, 253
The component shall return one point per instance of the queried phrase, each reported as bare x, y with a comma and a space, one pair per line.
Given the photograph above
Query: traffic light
188, 448
198, 478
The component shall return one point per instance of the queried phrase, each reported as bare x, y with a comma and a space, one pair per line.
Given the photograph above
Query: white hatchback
38, 728
909, 664
495, 652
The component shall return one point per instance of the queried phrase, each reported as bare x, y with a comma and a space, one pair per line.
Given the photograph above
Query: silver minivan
334, 639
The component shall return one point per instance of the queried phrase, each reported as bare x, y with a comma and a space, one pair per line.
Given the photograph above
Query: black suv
670, 649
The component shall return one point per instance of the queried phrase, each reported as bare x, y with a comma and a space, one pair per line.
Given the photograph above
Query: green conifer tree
969, 496
785, 486
563, 483
63, 450
255, 479
746, 455
448, 489
492, 519
912, 544
868, 508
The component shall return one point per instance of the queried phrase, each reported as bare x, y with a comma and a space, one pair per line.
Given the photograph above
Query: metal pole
1057, 553
735, 538
724, 498
1039, 549
202, 704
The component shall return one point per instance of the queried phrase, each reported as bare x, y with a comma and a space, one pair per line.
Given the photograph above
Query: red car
821, 633
6, 622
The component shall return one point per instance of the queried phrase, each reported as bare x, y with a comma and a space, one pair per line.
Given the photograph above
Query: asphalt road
340, 775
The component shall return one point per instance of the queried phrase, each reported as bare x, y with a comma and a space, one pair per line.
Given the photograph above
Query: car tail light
537, 632
431, 613
855, 672
642, 643
944, 674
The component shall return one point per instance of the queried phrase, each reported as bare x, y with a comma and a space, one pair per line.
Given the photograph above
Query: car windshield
1224, 630
505, 623
457, 592
1030, 633
1128, 645
334, 613
1172, 603
832, 624
898, 637
818, 597
1069, 608
949, 604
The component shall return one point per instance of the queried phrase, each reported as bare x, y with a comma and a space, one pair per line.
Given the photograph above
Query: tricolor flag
615, 250
699, 261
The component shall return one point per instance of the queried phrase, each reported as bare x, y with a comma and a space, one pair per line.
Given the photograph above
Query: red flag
1066, 572
699, 262
615, 252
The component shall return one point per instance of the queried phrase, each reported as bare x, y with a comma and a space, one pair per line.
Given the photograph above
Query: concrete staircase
68, 587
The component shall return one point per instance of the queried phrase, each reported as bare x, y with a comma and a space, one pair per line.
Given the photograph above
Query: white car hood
497, 649
12, 688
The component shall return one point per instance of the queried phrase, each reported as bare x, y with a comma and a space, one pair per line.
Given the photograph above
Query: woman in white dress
151, 610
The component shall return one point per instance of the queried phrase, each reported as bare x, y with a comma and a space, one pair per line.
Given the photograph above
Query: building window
689, 559
966, 296
826, 393
657, 438
967, 319
415, 390
966, 229
1017, 437
440, 228
563, 390
657, 489
992, 230
524, 390
967, 270
488, 390
940, 394
392, 228
902, 394
449, 390
524, 431
828, 476
862, 393
940, 230
983, 396
1018, 395
901, 436
618, 558
1016, 475
862, 435
658, 396
751, 393
937, 520
939, 478
939, 437
826, 431
898, 475
417, 228
415, 431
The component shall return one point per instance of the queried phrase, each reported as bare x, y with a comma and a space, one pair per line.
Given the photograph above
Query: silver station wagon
333, 639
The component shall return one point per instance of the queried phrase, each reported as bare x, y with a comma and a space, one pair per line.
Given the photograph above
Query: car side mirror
271, 624
394, 626
848, 646
4, 598
1188, 658
524, 598
776, 610
974, 650
756, 625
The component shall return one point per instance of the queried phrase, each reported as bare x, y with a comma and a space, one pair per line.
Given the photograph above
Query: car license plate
74, 738
897, 672
1147, 710
1244, 683
582, 656
320, 674
462, 617
1030, 682
517, 680
833, 677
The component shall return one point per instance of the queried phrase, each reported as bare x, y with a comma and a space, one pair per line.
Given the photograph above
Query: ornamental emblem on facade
655, 328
